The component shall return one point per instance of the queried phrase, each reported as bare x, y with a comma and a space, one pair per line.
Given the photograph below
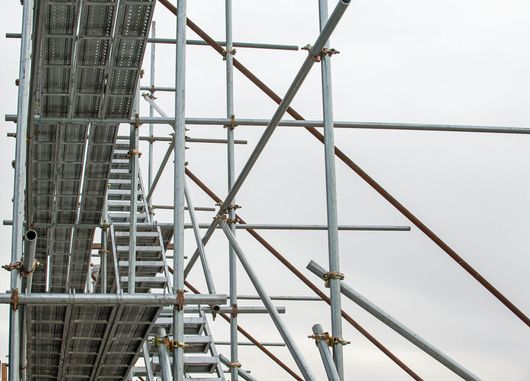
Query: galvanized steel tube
30, 246
331, 198
197, 234
395, 325
282, 329
133, 214
282, 108
23, 113
232, 260
163, 357
111, 299
315, 51
255, 45
151, 110
244, 374
178, 178
327, 359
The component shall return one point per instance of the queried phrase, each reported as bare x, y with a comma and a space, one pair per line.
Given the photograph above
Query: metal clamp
14, 299
180, 300
331, 341
332, 275
171, 345
325, 52
25, 273
234, 365
20, 267
232, 122
234, 310
137, 123
134, 152
13, 266
231, 51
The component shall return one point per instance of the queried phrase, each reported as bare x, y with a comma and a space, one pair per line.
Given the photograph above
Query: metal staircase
201, 358
151, 267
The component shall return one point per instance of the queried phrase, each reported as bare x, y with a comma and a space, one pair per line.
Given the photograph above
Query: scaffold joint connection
332, 275
331, 341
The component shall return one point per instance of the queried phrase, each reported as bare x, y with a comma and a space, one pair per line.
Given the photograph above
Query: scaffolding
133, 315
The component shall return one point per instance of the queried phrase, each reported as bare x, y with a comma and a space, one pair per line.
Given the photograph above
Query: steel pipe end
31, 235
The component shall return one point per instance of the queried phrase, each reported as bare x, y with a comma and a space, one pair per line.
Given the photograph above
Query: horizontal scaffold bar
254, 45
288, 123
112, 299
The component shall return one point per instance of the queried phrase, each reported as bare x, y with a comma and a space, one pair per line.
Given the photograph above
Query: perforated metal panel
87, 59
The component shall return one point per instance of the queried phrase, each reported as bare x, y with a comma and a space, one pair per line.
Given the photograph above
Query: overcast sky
460, 62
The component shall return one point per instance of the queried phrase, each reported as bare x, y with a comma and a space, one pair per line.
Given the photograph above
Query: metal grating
89, 59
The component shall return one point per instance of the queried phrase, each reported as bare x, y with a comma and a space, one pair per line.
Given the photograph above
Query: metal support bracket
179, 306
331, 341
332, 275
231, 51
232, 122
20, 267
14, 299
134, 152
325, 52
169, 344
235, 310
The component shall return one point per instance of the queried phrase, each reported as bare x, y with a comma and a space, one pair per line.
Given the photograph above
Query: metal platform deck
88, 57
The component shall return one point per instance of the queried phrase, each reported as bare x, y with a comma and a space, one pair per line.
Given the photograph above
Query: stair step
143, 226
119, 181
197, 343
193, 325
194, 364
200, 364
120, 203
121, 213
145, 249
120, 161
138, 234
146, 281
145, 264
119, 171
122, 192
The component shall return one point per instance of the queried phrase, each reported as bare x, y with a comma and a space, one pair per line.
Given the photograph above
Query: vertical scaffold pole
231, 178
134, 154
179, 177
163, 356
19, 187
331, 198
103, 259
151, 108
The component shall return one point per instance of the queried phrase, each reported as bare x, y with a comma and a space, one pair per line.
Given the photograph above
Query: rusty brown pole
374, 184
245, 333
307, 282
